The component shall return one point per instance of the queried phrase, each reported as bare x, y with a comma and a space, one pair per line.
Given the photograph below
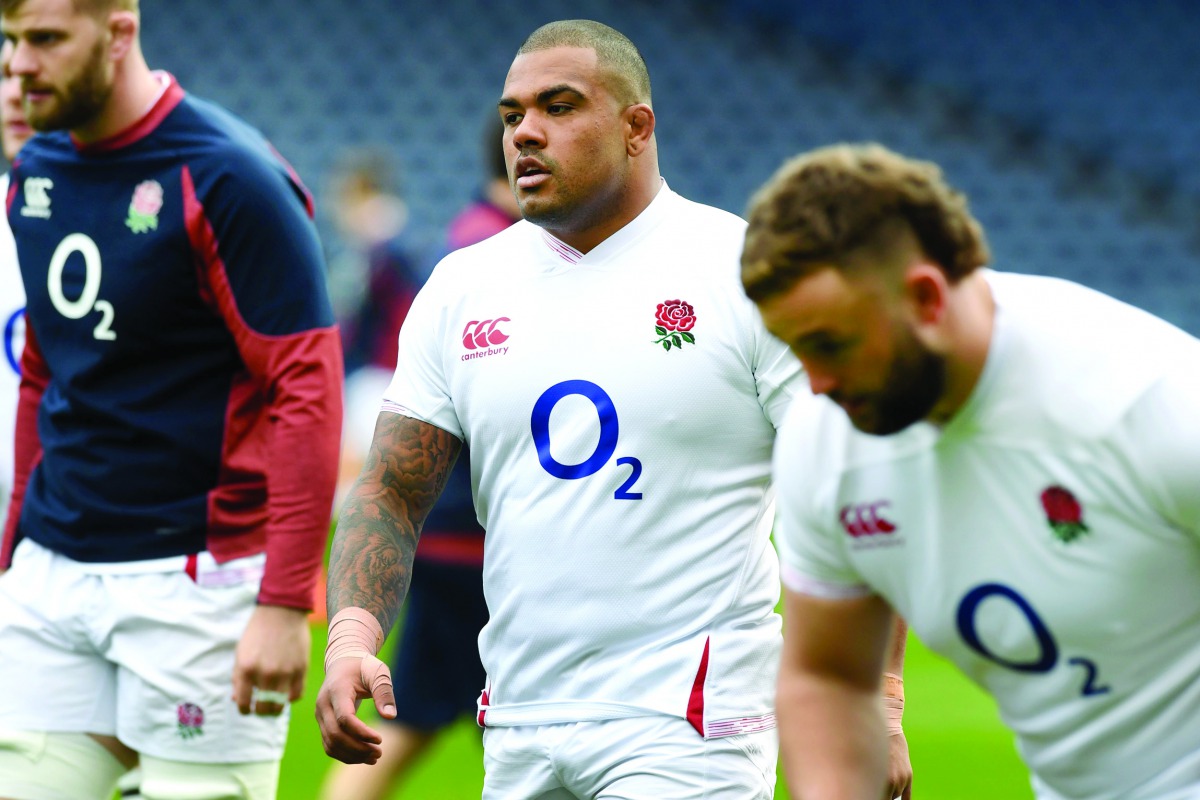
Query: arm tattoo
370, 563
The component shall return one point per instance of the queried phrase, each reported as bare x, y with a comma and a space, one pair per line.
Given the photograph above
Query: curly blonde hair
825, 204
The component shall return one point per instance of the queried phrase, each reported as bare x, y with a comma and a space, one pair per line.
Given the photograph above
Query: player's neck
134, 89
972, 315
643, 187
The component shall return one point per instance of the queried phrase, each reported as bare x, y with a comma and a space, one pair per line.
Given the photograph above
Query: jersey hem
566, 713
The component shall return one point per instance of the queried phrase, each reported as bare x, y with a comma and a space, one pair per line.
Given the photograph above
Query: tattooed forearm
370, 564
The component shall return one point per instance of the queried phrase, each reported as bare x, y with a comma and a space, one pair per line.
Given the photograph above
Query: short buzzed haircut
614, 53
825, 204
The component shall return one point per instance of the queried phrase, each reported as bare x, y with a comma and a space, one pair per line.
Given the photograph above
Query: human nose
820, 381
20, 59
529, 133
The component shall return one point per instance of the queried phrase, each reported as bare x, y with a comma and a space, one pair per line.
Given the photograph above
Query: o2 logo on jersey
1047, 648
88, 300
605, 448
14, 339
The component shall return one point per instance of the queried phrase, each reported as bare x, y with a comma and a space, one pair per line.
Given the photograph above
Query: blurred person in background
177, 428
373, 277
495, 206
436, 661
14, 131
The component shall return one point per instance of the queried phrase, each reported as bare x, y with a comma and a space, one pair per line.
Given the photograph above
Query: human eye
44, 38
826, 348
558, 109
511, 118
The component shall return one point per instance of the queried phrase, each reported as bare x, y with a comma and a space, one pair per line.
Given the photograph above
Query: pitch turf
959, 748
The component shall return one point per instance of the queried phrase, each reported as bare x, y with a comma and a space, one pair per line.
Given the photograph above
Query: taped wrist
353, 632
893, 703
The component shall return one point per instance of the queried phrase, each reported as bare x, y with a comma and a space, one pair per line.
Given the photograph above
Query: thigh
517, 765
663, 758
436, 668
54, 677
56, 766
174, 780
175, 651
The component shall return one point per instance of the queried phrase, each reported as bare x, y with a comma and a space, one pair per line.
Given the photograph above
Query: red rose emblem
147, 198
1061, 505
1064, 513
673, 322
190, 715
676, 315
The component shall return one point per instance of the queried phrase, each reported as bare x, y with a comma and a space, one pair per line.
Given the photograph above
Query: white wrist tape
893, 703
353, 632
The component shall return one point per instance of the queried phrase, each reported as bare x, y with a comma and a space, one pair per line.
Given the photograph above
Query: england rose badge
143, 209
674, 321
1063, 513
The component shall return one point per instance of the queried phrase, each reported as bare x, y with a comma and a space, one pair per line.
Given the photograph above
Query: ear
123, 33
639, 121
926, 291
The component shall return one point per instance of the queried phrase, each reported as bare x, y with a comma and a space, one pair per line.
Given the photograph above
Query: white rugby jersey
12, 343
1046, 539
620, 408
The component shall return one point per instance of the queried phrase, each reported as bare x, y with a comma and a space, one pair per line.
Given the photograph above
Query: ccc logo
865, 519
482, 334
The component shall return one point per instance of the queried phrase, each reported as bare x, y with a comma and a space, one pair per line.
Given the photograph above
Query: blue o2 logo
11, 355
539, 425
1047, 649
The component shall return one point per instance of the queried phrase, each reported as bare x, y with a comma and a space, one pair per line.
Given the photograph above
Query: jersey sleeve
1162, 436
420, 388
27, 446
778, 375
249, 225
813, 560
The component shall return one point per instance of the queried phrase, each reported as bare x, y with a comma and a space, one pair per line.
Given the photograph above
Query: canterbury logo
37, 201
865, 519
483, 334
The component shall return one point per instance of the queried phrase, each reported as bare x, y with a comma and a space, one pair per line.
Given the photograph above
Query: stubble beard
915, 383
80, 101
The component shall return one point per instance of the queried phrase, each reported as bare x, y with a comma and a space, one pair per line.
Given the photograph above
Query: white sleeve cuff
827, 590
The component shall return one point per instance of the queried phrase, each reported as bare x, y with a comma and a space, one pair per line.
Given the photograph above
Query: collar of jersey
993, 364
650, 217
170, 97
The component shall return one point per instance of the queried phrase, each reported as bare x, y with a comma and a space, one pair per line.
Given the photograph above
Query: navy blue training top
181, 358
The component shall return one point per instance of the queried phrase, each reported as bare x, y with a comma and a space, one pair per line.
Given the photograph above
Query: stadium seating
1039, 111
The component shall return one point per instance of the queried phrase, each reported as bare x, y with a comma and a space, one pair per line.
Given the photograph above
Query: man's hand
349, 680
900, 772
271, 660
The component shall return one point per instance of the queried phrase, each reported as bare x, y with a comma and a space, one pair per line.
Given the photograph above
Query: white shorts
146, 656
640, 758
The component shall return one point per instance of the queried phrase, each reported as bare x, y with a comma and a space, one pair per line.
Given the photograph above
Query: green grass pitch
959, 749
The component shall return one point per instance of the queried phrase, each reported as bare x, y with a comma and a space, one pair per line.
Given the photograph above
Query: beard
915, 382
80, 101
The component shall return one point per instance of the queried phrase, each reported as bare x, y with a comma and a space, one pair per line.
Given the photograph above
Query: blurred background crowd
1072, 126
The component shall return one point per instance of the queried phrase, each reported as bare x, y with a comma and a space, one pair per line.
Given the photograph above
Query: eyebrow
544, 96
